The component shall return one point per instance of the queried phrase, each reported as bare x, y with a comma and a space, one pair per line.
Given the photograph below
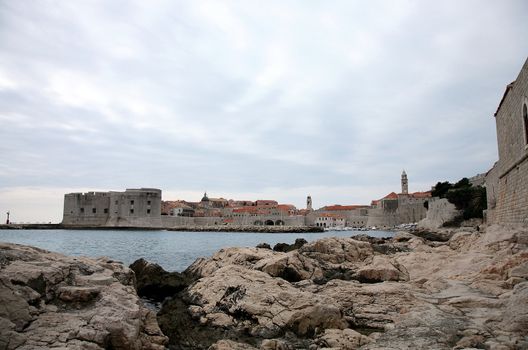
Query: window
106, 210
148, 211
525, 121
131, 211
94, 210
82, 210
131, 202
148, 202
116, 202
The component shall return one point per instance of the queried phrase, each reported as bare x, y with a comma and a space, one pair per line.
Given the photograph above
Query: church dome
205, 198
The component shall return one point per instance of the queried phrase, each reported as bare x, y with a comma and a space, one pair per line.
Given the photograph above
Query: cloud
245, 98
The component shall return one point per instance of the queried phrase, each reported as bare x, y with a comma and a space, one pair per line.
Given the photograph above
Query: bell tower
404, 183
309, 203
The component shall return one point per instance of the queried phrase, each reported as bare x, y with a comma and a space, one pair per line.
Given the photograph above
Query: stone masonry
133, 207
512, 136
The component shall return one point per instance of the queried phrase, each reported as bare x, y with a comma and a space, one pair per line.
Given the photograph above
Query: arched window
525, 120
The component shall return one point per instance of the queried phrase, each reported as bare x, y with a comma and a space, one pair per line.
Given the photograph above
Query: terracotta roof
286, 207
421, 194
508, 88
391, 195
337, 207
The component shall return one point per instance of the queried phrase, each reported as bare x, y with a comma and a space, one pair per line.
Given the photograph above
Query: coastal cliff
450, 289
49, 300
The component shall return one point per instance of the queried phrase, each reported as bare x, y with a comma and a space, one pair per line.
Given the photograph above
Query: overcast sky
249, 99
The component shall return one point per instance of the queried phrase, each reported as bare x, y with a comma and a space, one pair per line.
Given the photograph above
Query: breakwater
208, 228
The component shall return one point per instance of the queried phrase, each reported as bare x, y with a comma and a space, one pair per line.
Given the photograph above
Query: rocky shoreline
453, 289
448, 289
49, 300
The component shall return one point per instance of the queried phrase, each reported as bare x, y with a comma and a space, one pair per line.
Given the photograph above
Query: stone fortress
144, 208
133, 208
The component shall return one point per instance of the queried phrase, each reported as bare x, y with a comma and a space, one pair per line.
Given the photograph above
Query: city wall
440, 211
512, 196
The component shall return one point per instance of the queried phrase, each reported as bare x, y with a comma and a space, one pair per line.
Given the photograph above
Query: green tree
466, 197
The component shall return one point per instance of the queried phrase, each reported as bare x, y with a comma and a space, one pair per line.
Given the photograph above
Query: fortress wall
354, 220
294, 221
134, 207
382, 218
89, 209
512, 194
412, 211
176, 221
512, 203
179, 221
492, 186
440, 211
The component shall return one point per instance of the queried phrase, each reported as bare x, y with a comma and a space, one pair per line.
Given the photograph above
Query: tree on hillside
466, 197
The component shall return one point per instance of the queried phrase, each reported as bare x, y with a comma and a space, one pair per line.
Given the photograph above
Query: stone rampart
440, 211
512, 135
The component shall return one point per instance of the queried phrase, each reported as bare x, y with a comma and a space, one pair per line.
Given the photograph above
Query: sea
172, 250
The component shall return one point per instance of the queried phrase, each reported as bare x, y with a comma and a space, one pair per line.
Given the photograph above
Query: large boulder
337, 250
154, 282
230, 256
241, 303
50, 300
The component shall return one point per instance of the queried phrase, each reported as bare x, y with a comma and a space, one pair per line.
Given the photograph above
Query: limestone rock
464, 289
230, 345
225, 257
48, 300
241, 303
382, 269
337, 250
345, 339
154, 282
292, 266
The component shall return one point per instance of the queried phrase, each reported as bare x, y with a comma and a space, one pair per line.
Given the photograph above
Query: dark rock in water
285, 247
281, 247
263, 246
153, 282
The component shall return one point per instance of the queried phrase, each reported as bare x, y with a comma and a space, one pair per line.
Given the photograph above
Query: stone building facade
511, 117
133, 207
392, 210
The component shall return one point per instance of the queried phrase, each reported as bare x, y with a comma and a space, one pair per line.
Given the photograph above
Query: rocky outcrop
285, 247
48, 300
468, 289
153, 282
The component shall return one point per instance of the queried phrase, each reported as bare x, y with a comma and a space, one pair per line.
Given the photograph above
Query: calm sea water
174, 251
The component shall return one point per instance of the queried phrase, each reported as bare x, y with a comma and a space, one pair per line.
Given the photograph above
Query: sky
249, 99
